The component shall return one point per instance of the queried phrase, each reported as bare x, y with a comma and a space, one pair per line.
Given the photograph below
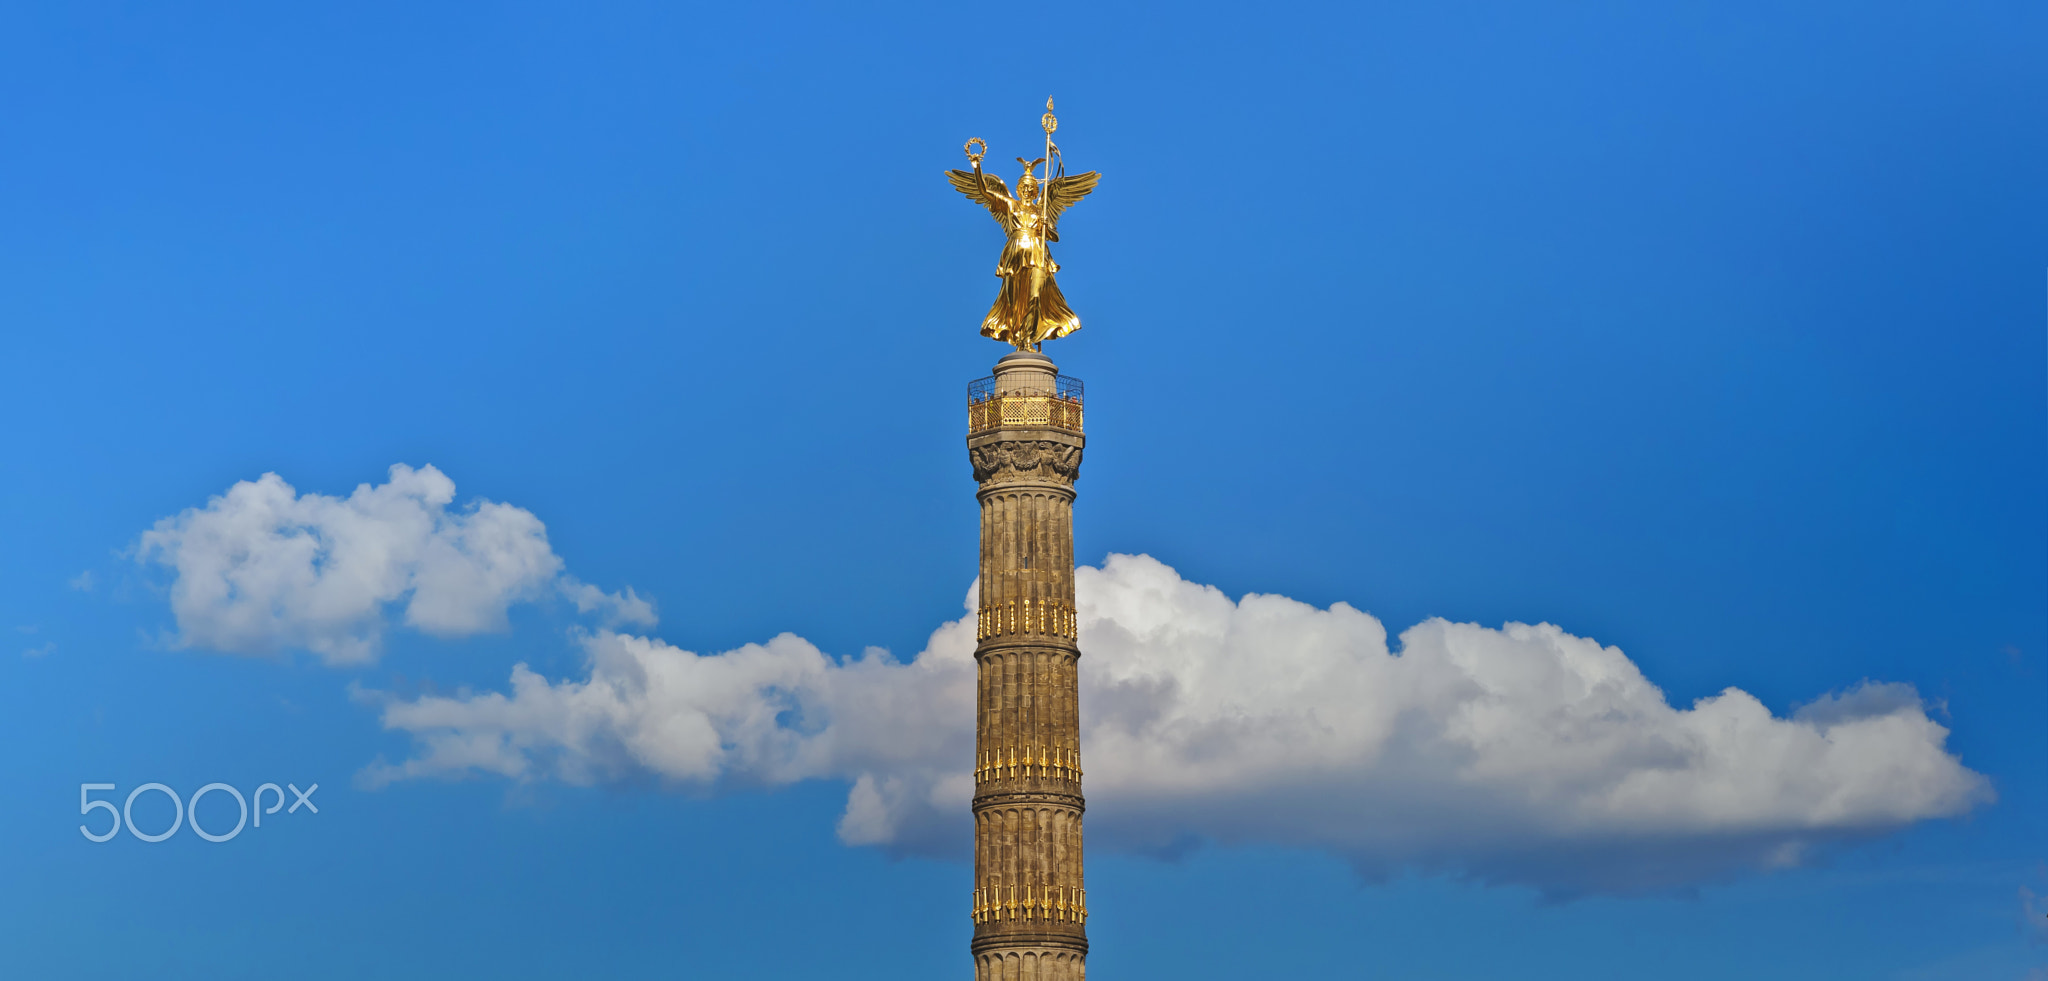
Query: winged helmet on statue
1029, 309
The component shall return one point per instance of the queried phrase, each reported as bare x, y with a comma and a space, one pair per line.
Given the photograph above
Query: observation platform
1024, 403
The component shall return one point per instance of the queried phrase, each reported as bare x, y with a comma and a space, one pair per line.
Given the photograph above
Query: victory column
1030, 904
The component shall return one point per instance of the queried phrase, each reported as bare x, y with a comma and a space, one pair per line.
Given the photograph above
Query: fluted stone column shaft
1029, 899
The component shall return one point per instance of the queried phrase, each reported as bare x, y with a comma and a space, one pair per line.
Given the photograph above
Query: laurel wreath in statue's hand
974, 156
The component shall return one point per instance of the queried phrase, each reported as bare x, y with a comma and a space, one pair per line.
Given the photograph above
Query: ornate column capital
1053, 458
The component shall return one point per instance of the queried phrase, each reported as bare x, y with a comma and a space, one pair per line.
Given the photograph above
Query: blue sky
1714, 336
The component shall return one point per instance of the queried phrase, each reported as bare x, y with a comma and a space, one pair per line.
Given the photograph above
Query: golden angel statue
1029, 309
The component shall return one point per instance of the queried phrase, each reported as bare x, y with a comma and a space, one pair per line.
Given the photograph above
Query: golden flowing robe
1029, 309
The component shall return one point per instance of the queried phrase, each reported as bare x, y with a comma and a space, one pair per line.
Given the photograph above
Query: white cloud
82, 582
763, 714
262, 569
2033, 916
612, 609
1522, 755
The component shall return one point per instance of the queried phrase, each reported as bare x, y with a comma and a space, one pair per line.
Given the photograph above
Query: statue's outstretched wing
990, 190
1069, 189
